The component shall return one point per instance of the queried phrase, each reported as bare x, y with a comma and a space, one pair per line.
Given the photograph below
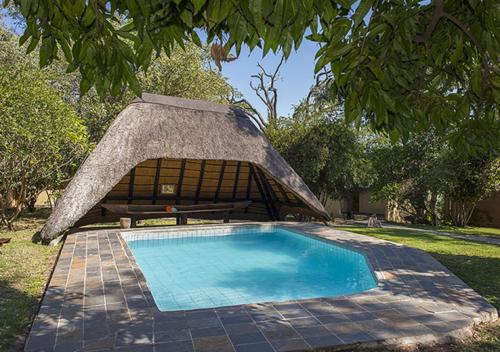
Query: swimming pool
247, 264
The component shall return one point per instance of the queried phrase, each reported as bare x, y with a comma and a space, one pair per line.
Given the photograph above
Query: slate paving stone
323, 341
41, 343
355, 337
203, 323
333, 318
277, 330
304, 322
135, 348
172, 335
291, 310
165, 325
112, 306
255, 347
208, 332
213, 344
290, 345
65, 346
176, 346
240, 339
313, 331
129, 337
102, 344
263, 312
243, 328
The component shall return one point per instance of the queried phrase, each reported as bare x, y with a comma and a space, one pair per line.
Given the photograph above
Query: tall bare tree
263, 84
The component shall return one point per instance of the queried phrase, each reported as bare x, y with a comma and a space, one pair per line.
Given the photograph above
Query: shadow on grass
478, 264
16, 313
480, 273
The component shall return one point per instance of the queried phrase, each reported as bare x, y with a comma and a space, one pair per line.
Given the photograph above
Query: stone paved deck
98, 300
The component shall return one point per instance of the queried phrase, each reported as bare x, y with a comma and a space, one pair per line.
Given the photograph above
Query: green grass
24, 269
478, 264
473, 230
467, 230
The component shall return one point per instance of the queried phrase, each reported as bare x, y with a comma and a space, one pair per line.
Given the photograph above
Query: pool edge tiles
417, 302
214, 267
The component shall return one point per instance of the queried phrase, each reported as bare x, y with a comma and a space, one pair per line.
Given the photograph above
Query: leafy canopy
402, 65
185, 73
326, 152
42, 139
427, 178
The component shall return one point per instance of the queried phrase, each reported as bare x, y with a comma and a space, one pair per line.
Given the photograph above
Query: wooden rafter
262, 193
131, 186
282, 191
181, 198
249, 184
236, 180
157, 180
179, 183
269, 193
200, 181
219, 183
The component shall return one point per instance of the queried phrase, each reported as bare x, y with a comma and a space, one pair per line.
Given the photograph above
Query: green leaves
368, 45
362, 10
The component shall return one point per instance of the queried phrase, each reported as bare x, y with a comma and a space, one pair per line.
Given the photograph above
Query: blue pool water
248, 265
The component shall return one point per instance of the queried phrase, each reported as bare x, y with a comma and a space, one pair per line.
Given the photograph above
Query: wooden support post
157, 180
269, 193
183, 219
200, 181
131, 186
262, 193
221, 177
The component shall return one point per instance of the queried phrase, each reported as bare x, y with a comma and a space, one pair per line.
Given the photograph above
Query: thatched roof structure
199, 152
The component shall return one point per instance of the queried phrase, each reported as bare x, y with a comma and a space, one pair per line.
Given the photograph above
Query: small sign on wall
168, 188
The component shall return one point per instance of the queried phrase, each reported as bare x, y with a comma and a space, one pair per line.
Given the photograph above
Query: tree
185, 73
42, 140
263, 84
326, 152
402, 65
466, 181
405, 175
427, 178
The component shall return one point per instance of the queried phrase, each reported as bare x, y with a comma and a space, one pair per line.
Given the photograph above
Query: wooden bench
135, 211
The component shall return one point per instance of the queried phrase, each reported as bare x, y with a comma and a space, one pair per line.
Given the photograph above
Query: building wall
487, 212
361, 203
333, 207
369, 206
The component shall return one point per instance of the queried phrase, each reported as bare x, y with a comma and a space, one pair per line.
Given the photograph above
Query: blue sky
296, 75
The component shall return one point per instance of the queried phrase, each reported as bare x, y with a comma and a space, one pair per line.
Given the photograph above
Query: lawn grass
472, 230
24, 269
478, 264
491, 232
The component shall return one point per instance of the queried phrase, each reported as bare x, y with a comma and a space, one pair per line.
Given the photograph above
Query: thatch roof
209, 152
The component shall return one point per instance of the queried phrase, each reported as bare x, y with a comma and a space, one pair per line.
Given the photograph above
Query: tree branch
439, 13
